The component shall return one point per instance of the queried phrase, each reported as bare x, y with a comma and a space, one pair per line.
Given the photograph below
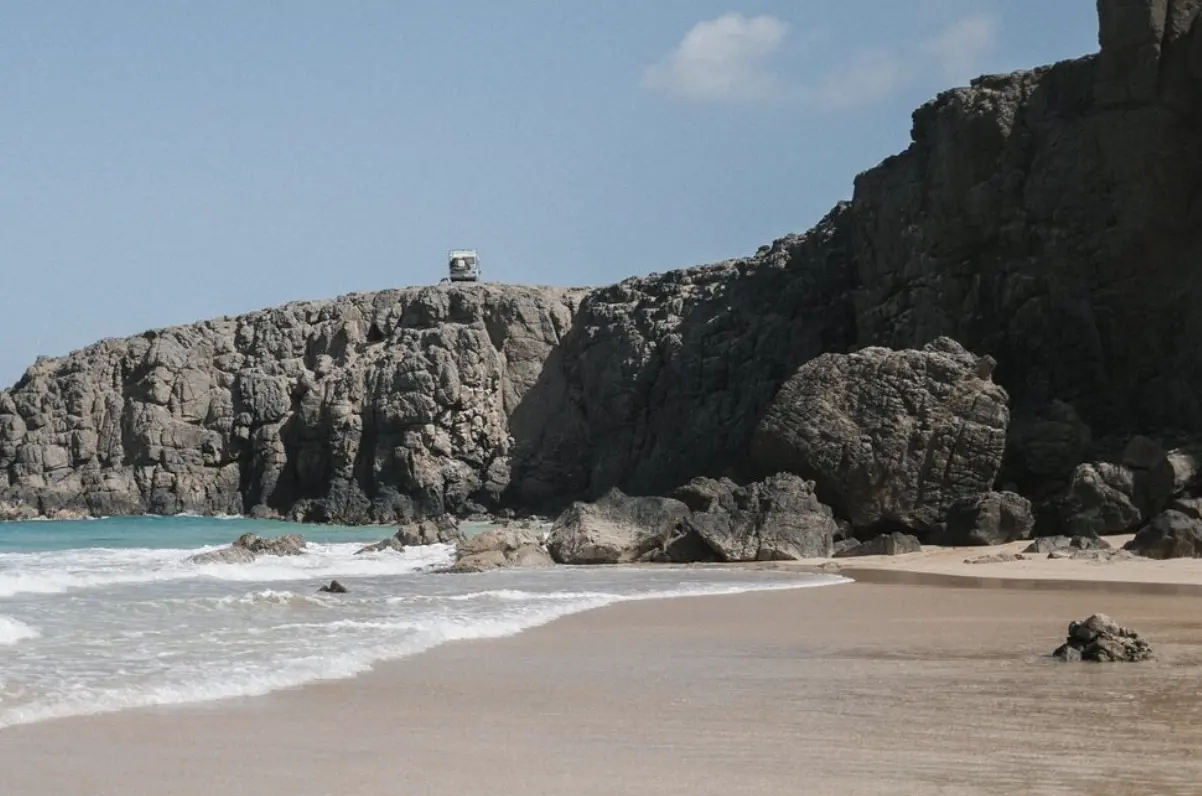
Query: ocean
109, 614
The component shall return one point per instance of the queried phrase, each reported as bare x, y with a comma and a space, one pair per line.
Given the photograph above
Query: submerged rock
391, 543
249, 546
1099, 638
334, 587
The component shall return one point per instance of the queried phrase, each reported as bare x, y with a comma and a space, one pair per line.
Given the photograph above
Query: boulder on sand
887, 544
892, 438
1099, 638
617, 529
1172, 534
777, 519
992, 518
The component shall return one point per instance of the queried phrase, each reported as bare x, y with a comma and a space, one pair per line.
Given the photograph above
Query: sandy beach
861, 688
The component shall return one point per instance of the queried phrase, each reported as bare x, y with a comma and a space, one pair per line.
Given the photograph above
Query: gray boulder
1052, 544
1100, 639
992, 518
777, 519
617, 529
1101, 501
890, 437
444, 530
502, 548
887, 544
1171, 534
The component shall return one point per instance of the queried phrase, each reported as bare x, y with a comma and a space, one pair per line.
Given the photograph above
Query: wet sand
866, 688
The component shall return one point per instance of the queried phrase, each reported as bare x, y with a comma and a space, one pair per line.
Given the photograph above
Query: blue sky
164, 161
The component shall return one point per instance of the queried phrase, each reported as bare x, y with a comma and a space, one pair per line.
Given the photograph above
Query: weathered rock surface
248, 547
444, 530
1172, 534
1047, 219
1051, 544
992, 518
618, 529
1099, 638
778, 519
502, 547
887, 544
892, 438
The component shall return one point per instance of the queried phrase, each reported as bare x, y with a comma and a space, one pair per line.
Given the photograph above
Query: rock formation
1047, 220
990, 518
886, 544
501, 548
1099, 638
778, 519
248, 547
1173, 534
892, 438
619, 529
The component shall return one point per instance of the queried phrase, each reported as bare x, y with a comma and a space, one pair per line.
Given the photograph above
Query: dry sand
867, 688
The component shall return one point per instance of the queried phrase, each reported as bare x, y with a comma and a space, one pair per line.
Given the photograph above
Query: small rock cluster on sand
1100, 638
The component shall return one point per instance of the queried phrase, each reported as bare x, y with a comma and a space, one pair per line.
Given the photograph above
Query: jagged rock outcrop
892, 438
777, 519
1048, 219
375, 407
444, 530
992, 518
1100, 639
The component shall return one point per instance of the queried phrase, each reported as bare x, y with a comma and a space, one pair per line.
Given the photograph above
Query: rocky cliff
1049, 218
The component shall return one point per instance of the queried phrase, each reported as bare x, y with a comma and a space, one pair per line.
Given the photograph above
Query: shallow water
109, 614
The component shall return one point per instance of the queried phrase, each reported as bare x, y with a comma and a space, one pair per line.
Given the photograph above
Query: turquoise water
113, 614
164, 532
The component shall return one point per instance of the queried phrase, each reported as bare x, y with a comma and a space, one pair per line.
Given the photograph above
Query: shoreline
754, 692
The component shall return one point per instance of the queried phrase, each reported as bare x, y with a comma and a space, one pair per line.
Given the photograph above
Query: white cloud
723, 59
958, 48
730, 59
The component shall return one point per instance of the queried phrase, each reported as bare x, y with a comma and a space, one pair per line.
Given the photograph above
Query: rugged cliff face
1048, 218
365, 408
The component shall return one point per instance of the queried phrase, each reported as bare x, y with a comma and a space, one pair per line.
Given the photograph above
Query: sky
162, 162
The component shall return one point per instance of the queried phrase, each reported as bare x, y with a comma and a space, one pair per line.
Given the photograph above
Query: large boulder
1099, 638
992, 518
499, 548
617, 529
444, 530
1171, 534
894, 543
778, 519
1101, 501
891, 438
